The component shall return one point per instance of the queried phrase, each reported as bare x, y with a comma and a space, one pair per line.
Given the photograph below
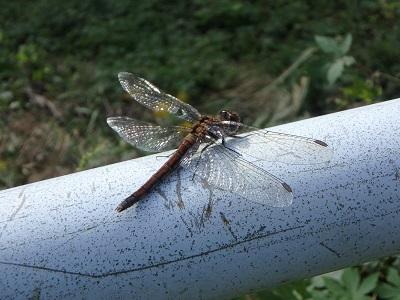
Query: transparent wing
274, 146
146, 136
152, 97
225, 169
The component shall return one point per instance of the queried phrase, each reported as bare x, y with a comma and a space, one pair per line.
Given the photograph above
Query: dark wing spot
287, 187
321, 143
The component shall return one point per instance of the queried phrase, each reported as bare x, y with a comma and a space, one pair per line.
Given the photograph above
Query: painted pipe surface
62, 238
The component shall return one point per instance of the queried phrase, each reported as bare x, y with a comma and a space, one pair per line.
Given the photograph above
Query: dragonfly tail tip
119, 208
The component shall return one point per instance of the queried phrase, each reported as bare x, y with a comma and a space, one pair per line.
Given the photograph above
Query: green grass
271, 62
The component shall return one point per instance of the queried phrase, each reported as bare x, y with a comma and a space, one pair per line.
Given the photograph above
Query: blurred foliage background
271, 61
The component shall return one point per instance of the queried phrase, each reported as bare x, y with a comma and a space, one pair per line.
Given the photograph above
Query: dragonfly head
226, 115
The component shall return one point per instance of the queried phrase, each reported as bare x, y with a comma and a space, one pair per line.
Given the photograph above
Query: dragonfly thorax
206, 128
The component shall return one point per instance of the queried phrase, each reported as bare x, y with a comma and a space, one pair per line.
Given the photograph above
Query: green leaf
392, 290
351, 279
344, 47
364, 90
387, 291
393, 277
333, 285
348, 60
328, 45
320, 294
335, 70
368, 284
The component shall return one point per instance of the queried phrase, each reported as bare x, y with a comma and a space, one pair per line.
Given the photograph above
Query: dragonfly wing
274, 146
152, 97
225, 169
146, 136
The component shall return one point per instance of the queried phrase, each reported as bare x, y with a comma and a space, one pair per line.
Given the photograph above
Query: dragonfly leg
199, 158
233, 136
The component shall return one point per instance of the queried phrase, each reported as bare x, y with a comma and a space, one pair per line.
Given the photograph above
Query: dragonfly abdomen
167, 168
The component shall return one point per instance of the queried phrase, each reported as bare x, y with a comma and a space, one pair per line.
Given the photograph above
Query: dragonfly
212, 148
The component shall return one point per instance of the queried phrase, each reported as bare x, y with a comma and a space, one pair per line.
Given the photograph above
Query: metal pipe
61, 238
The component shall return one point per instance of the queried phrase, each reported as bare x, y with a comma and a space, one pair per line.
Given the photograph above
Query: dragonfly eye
227, 115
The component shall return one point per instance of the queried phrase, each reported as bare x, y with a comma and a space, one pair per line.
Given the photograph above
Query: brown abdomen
167, 168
